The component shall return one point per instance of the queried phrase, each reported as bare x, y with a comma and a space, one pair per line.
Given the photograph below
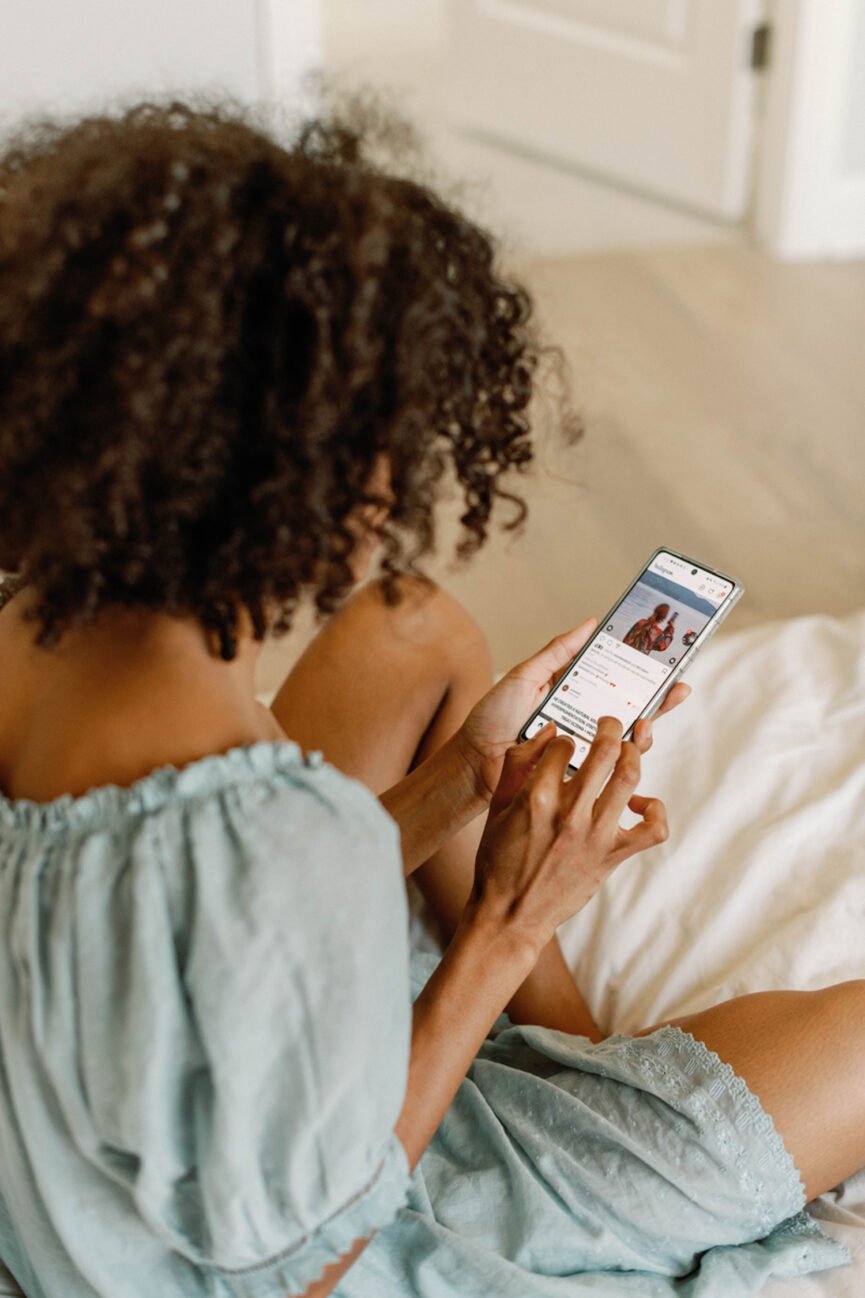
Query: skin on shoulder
82, 714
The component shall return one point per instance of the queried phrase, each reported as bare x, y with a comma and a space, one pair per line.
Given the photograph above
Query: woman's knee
426, 618
841, 1005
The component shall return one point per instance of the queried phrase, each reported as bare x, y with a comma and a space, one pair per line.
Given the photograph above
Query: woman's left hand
494, 722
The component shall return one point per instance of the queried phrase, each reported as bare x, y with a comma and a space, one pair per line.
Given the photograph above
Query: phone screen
640, 645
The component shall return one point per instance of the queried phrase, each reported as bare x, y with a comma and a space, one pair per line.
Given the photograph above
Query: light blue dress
204, 1036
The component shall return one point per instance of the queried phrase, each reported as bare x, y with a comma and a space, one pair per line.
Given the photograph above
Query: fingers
543, 786
652, 830
611, 766
604, 785
642, 736
607, 781
599, 761
674, 696
520, 761
621, 786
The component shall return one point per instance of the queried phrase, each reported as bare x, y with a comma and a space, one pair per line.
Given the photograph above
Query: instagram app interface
632, 654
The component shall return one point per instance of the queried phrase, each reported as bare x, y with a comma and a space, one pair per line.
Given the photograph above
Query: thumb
556, 655
520, 761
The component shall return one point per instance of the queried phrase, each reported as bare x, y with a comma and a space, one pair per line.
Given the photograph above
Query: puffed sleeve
261, 1008
298, 984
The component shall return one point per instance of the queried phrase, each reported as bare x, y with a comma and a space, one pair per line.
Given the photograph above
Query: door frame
290, 52
806, 205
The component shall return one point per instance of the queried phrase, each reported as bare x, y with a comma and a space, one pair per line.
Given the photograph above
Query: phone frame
691, 651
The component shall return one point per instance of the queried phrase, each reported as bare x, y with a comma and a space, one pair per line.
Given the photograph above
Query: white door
658, 94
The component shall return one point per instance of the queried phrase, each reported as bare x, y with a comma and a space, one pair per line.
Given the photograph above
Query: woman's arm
447, 791
435, 801
548, 996
547, 846
431, 805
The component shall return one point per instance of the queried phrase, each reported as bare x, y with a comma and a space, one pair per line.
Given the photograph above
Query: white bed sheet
762, 881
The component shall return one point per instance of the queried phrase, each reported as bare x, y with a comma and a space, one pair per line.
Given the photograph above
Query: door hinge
761, 39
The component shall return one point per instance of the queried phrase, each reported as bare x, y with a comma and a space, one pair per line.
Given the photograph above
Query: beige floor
723, 396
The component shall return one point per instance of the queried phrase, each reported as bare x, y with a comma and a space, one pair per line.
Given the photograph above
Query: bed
762, 881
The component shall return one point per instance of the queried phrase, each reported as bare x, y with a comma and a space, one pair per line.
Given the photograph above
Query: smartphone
646, 642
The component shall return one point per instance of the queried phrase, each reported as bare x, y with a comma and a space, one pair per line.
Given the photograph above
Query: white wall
72, 55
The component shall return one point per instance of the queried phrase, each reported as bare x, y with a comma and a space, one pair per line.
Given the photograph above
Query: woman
230, 370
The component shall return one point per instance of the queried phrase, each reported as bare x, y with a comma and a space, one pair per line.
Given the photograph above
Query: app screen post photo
631, 655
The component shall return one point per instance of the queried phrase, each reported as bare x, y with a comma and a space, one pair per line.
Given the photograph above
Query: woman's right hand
549, 843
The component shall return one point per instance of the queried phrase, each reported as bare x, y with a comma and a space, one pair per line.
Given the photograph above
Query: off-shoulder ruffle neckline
108, 804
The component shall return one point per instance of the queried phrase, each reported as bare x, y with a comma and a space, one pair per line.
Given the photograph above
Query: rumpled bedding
762, 881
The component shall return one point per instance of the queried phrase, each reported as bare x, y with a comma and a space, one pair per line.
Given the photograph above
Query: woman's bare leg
803, 1055
378, 690
381, 686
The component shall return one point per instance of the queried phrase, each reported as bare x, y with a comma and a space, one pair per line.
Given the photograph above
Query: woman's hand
494, 722
550, 843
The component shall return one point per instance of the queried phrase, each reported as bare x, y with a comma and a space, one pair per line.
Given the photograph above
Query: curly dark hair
207, 339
